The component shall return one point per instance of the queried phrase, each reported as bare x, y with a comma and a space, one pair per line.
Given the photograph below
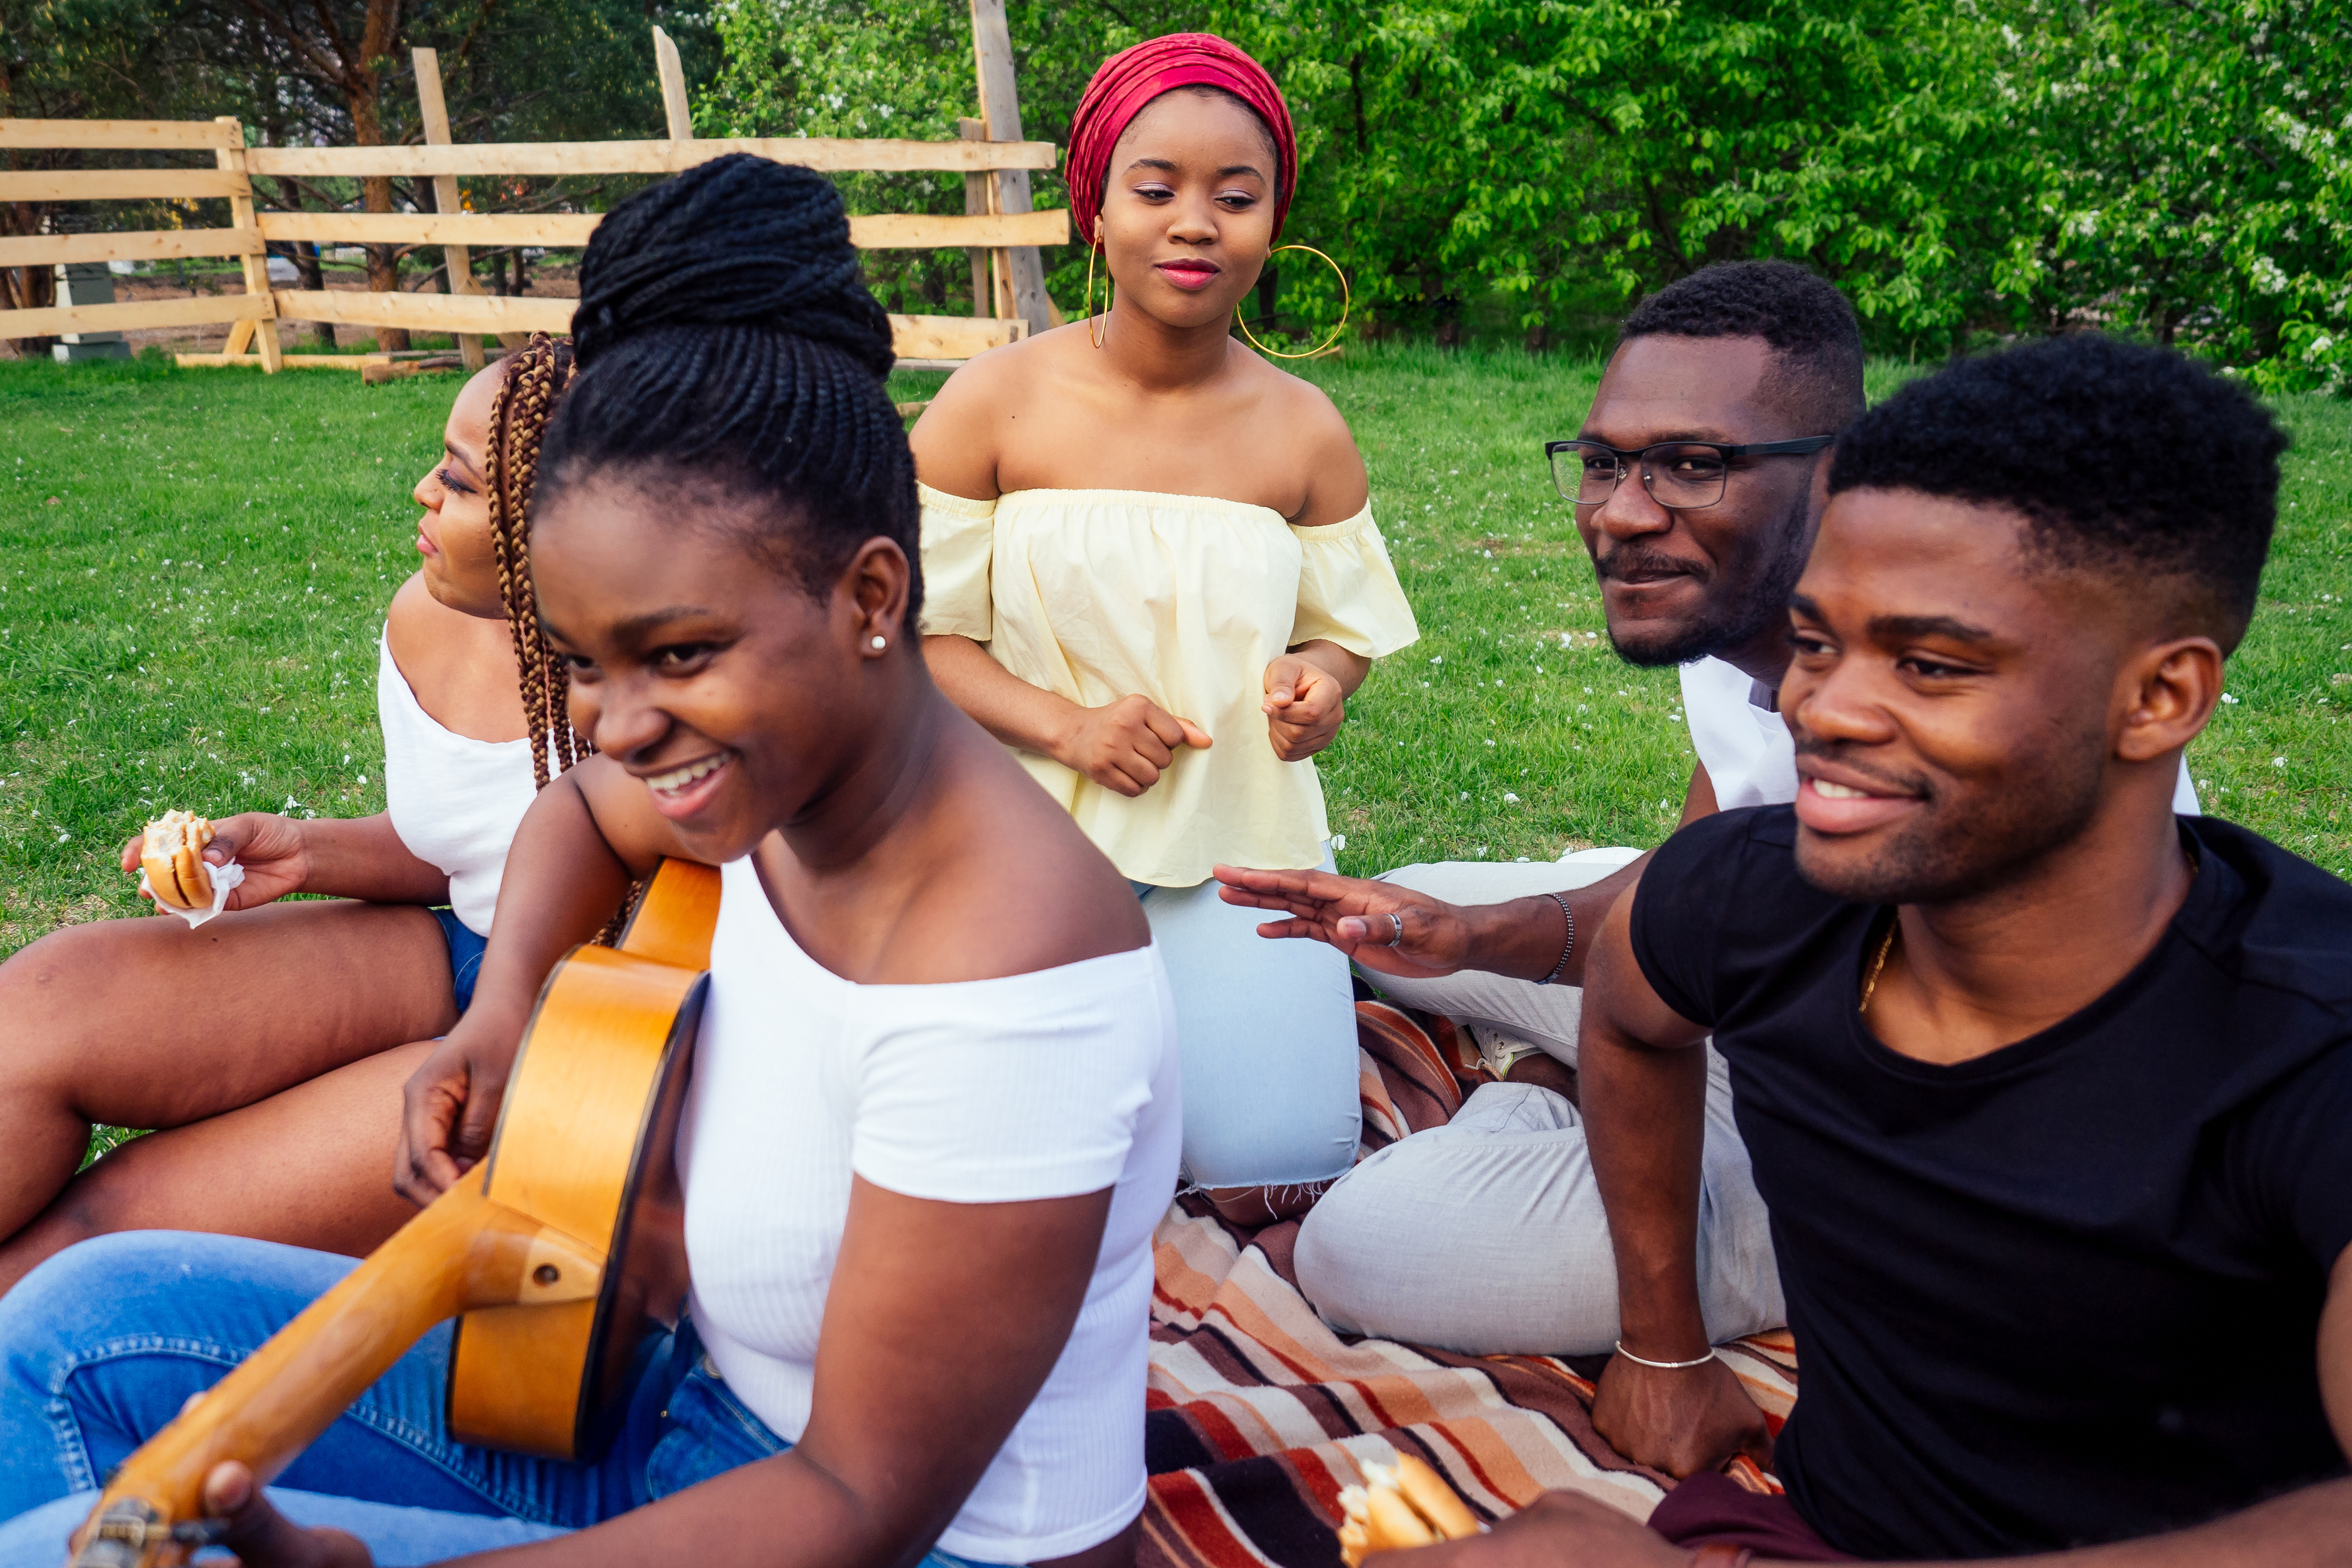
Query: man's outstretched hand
1682, 1422
1352, 914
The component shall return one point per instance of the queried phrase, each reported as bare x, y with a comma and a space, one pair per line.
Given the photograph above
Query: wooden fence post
975, 201
930, 341
1023, 274
257, 268
457, 260
673, 88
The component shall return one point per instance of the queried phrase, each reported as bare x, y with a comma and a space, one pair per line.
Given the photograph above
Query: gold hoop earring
1087, 302
1345, 300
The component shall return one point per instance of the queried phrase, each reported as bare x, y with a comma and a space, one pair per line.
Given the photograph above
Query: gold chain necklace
1885, 946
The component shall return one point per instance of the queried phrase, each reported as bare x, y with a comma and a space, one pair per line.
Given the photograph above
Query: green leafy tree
1964, 171
840, 68
2189, 176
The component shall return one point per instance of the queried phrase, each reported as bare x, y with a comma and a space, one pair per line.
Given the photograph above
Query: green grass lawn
194, 566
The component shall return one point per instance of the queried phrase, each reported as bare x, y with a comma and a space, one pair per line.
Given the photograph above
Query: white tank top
455, 803
1750, 758
1008, 1091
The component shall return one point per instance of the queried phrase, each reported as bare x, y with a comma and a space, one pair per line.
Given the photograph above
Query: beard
1970, 838
1732, 619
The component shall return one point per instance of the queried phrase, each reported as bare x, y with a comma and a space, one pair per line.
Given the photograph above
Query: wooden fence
996, 222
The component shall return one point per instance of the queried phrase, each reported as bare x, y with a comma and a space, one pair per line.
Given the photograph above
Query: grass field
194, 566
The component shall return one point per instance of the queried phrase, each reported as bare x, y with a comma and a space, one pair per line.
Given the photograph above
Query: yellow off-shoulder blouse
1096, 594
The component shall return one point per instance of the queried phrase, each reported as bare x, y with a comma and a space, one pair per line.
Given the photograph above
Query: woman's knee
41, 989
1291, 1136
1272, 1106
116, 1195
38, 1318
1509, 1207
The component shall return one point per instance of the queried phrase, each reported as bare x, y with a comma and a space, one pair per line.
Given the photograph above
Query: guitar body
583, 1145
557, 1253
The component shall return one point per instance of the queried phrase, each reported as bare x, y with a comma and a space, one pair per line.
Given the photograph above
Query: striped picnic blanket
1258, 1413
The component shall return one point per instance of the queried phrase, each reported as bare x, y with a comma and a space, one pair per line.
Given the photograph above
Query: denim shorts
465, 950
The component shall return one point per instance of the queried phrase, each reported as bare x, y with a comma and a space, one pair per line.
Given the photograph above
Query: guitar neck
461, 1252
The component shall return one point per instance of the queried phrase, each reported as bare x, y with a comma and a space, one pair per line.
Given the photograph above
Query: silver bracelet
1662, 1365
1569, 945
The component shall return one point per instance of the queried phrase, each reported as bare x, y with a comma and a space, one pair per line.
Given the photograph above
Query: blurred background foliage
1966, 170
340, 72
2171, 168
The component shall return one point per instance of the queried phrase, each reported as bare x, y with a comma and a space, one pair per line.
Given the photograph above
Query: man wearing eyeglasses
1698, 481
2049, 1084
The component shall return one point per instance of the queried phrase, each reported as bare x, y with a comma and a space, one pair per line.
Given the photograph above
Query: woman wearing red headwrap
1151, 568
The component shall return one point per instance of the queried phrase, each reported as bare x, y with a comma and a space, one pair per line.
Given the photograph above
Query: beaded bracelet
1567, 947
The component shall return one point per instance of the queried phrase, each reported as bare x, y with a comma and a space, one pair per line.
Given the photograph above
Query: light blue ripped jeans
101, 1345
1267, 1030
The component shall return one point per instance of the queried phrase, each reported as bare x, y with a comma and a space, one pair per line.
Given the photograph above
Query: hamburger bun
173, 858
1406, 1504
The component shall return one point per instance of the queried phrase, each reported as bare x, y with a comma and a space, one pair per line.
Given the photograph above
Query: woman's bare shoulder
962, 434
1312, 427
1015, 888
415, 625
460, 668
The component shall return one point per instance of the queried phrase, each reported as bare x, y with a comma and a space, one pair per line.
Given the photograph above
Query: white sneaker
1497, 1049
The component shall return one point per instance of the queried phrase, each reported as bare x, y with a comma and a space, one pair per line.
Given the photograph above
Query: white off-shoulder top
1098, 594
1026, 1086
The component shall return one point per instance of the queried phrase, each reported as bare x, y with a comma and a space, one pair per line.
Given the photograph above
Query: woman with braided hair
1154, 575
269, 1046
933, 1114
526, 400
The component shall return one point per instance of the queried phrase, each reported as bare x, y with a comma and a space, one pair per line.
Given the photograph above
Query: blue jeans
101, 1346
466, 949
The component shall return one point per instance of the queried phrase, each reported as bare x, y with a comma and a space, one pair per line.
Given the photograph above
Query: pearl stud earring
880, 643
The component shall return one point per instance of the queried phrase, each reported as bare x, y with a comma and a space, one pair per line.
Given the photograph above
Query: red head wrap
1133, 77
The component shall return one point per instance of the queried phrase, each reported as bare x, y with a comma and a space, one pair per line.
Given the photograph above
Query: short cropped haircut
1804, 319
2128, 461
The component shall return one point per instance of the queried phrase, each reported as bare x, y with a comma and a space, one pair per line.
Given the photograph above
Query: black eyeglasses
1677, 473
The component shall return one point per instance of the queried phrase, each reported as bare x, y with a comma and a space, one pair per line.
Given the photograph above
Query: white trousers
1267, 1030
1487, 1235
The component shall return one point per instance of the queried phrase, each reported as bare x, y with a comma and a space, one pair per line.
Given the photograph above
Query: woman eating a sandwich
271, 1045
933, 1114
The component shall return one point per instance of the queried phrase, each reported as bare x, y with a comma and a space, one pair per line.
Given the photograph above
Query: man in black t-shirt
2049, 1090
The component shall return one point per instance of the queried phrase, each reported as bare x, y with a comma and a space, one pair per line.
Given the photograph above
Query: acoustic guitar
555, 1253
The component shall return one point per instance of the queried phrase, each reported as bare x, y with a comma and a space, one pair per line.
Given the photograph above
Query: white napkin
223, 878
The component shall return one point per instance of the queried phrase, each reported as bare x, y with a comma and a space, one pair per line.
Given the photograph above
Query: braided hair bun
738, 241
725, 328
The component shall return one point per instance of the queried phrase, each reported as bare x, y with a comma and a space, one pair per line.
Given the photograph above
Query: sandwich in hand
1399, 1506
174, 859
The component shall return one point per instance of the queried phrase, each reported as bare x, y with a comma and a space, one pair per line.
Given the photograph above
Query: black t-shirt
2066, 1292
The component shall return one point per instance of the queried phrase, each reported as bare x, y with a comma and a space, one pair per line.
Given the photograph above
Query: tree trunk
27, 288
314, 277
363, 85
